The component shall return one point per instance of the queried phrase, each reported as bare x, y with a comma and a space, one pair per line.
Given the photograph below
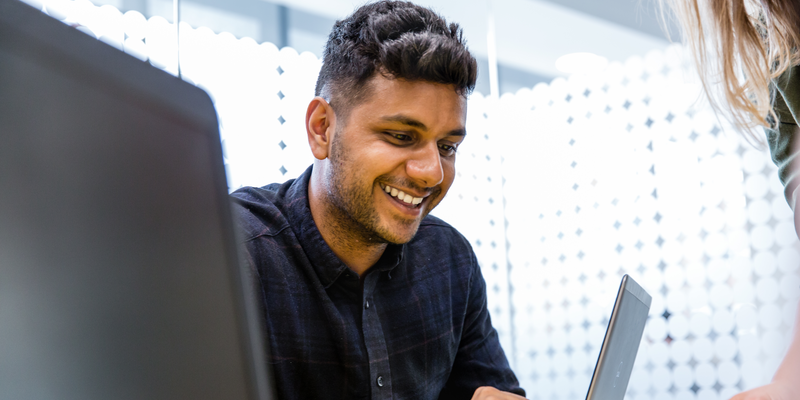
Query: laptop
119, 269
621, 343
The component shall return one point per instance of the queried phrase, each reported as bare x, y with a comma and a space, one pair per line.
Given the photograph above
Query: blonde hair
739, 47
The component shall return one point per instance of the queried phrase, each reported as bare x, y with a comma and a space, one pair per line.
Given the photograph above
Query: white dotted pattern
625, 172
561, 189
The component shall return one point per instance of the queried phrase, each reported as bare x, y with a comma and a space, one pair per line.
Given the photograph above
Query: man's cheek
447, 182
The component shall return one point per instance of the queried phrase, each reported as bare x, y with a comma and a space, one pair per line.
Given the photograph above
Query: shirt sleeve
782, 138
480, 360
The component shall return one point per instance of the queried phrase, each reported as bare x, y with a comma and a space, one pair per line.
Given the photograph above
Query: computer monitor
119, 273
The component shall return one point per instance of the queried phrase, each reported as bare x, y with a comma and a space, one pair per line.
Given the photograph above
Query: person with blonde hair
746, 53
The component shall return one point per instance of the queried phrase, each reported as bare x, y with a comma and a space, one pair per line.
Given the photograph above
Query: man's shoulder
438, 249
433, 229
432, 221
261, 210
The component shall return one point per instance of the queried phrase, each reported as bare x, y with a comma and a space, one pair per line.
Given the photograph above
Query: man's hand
490, 393
772, 391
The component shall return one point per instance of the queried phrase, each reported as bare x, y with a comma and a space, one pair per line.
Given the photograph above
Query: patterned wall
561, 189
627, 172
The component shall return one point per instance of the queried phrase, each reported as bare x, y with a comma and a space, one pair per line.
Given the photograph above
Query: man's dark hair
398, 39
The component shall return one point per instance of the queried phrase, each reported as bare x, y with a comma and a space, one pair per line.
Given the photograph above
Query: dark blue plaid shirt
417, 329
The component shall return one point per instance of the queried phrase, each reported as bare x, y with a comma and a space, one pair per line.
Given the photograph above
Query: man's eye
447, 149
399, 136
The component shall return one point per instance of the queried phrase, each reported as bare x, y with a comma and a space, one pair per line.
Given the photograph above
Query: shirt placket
380, 374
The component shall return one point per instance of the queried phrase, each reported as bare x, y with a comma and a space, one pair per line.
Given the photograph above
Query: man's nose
425, 166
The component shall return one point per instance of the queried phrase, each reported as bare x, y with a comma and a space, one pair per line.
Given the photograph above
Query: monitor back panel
118, 271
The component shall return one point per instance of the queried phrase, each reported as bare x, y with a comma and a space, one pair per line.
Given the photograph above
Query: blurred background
523, 38
591, 154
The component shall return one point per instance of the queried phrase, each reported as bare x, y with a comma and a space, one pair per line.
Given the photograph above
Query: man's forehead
381, 82
398, 91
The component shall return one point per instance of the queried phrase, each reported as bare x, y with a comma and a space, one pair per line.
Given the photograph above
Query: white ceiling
531, 34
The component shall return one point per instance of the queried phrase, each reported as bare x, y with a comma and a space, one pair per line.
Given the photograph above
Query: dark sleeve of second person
480, 361
781, 139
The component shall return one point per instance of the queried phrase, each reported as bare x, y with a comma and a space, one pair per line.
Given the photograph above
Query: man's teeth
399, 194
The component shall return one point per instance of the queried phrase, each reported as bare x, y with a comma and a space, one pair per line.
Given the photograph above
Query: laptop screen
621, 343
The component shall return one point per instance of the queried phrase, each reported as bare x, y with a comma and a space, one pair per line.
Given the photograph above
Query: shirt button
366, 304
379, 381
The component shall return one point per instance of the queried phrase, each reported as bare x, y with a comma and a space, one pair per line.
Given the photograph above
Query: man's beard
353, 207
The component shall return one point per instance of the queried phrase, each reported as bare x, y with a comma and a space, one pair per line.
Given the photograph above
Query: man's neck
355, 251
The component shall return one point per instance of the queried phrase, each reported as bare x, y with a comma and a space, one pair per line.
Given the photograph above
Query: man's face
394, 159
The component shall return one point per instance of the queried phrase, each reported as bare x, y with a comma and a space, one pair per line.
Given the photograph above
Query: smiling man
365, 295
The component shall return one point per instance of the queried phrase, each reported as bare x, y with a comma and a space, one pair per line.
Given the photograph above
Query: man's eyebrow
406, 120
458, 132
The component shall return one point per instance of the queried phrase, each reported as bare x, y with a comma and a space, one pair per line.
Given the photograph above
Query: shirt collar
326, 264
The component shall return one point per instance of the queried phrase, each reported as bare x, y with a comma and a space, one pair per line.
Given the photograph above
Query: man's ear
320, 124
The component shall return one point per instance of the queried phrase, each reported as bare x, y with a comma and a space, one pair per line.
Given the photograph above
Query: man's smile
406, 198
